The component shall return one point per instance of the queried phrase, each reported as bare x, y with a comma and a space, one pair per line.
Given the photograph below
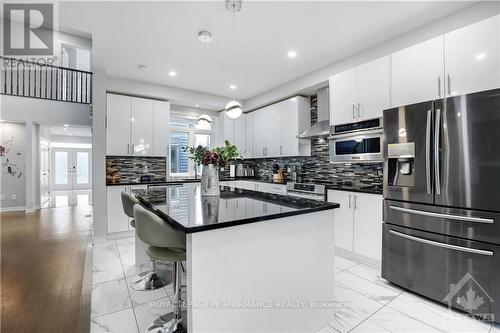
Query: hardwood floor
46, 269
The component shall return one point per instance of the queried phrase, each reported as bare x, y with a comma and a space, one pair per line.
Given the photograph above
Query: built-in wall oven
357, 142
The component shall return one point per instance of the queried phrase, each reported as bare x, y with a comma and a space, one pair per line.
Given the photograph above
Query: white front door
72, 169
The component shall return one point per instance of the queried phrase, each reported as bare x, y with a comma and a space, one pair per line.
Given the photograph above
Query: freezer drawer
460, 273
464, 223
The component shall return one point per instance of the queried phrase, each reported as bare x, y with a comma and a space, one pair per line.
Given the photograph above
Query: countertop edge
191, 230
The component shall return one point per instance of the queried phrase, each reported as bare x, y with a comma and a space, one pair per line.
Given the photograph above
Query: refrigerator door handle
443, 216
428, 152
442, 245
437, 129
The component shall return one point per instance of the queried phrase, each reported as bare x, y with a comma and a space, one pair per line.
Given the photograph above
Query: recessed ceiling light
142, 68
70, 134
232, 87
480, 56
172, 73
292, 54
196, 106
64, 128
66, 125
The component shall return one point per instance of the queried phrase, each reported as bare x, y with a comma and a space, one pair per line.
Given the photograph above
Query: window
185, 131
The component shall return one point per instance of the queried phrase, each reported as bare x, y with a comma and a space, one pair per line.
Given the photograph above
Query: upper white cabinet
373, 88
418, 73
234, 131
136, 126
249, 140
275, 128
460, 62
142, 120
161, 128
118, 125
240, 134
343, 98
360, 93
472, 57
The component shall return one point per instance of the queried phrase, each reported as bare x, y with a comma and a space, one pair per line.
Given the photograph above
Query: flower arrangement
218, 156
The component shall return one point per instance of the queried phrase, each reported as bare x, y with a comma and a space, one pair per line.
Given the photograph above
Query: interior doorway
66, 166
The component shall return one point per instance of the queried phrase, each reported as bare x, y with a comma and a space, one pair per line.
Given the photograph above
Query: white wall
13, 139
22, 109
173, 95
32, 167
319, 78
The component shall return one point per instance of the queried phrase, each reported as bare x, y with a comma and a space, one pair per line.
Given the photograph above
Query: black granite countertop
186, 209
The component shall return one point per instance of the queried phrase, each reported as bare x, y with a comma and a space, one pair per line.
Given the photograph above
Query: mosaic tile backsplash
317, 167
131, 168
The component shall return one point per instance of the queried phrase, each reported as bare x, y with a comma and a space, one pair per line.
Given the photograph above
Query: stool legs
174, 325
150, 281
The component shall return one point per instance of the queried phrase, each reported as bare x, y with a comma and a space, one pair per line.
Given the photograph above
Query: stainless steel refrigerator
441, 235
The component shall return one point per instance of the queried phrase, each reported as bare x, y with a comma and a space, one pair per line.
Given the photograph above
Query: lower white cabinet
256, 186
358, 223
118, 221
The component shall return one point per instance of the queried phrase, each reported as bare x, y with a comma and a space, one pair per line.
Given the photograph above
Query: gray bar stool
166, 244
151, 280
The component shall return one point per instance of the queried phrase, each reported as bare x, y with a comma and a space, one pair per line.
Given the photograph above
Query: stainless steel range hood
322, 128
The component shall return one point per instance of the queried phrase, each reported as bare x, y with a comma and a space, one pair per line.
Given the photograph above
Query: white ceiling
163, 36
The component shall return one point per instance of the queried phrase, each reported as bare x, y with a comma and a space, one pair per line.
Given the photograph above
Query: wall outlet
13, 196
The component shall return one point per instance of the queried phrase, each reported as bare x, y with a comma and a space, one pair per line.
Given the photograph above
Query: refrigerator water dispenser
401, 164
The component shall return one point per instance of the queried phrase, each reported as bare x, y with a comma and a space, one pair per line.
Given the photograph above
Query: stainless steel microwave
357, 142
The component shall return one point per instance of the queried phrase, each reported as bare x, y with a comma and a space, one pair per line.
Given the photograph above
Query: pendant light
233, 109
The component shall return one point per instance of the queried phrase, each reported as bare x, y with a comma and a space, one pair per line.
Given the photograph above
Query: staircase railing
39, 80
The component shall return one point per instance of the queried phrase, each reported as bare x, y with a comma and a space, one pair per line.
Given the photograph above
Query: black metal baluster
81, 87
67, 85
11, 77
29, 81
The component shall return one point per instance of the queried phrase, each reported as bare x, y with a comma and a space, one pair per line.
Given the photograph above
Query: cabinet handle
355, 202
359, 110
133, 149
449, 84
439, 86
281, 150
349, 201
128, 148
353, 112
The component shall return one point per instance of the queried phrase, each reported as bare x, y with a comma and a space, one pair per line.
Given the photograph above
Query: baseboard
32, 210
12, 209
358, 257
121, 234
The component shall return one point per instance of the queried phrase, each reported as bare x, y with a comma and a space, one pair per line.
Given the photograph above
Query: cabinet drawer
432, 264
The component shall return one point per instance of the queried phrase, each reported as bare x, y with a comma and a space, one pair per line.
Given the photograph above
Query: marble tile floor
366, 302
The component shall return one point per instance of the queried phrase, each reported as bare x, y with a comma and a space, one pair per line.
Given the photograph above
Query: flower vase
210, 180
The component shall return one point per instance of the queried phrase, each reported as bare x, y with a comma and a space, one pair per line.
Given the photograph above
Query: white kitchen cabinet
136, 126
368, 225
275, 128
358, 224
373, 88
343, 97
246, 185
265, 128
417, 73
472, 57
142, 118
249, 139
360, 93
161, 120
240, 134
118, 125
117, 219
344, 219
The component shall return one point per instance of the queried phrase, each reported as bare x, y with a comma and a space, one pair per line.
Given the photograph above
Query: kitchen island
256, 262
